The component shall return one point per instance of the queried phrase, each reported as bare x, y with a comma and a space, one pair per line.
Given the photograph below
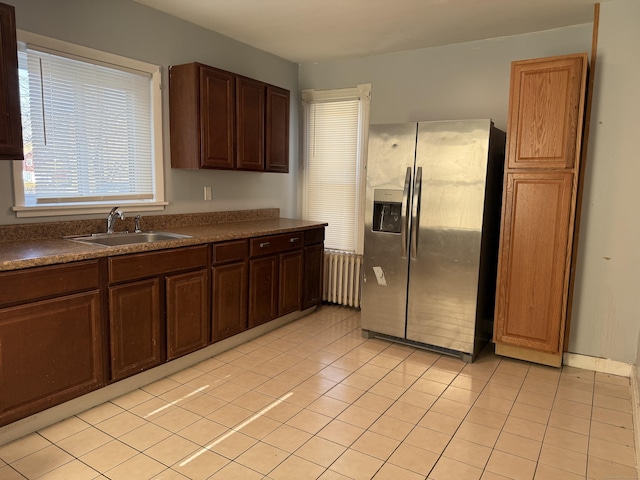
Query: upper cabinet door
217, 118
277, 141
546, 112
250, 123
222, 120
10, 121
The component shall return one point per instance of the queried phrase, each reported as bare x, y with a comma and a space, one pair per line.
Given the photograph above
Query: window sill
62, 210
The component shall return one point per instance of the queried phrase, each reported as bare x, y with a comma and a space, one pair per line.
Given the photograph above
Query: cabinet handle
294, 240
264, 244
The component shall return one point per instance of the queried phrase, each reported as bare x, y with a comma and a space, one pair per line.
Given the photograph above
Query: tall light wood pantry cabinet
546, 110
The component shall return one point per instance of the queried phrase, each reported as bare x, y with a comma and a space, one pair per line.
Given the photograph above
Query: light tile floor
314, 399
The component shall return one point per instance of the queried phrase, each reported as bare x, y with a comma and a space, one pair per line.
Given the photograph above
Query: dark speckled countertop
36, 245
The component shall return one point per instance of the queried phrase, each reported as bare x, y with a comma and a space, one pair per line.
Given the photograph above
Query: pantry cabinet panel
533, 259
545, 117
540, 201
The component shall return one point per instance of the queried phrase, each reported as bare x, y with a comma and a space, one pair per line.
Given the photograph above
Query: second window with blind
335, 135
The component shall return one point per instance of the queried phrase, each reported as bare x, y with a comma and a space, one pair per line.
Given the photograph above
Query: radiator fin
342, 278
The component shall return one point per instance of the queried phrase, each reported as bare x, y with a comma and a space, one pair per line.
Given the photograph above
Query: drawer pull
294, 240
264, 244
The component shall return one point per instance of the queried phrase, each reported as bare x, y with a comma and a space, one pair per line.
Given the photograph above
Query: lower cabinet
275, 276
51, 350
313, 267
263, 290
68, 329
290, 282
531, 294
135, 327
187, 312
229, 289
158, 307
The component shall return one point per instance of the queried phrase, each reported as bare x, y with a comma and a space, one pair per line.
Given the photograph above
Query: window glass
335, 130
90, 132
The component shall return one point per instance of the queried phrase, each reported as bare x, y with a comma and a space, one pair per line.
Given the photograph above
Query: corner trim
635, 411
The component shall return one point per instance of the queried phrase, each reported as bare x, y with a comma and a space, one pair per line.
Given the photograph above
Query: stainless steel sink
119, 239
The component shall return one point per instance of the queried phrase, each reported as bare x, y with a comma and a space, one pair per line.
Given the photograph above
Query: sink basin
119, 239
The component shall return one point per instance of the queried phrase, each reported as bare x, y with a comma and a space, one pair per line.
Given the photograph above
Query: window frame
91, 55
362, 93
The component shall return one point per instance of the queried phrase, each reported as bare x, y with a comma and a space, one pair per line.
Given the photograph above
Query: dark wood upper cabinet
217, 119
10, 120
202, 109
250, 103
221, 120
277, 135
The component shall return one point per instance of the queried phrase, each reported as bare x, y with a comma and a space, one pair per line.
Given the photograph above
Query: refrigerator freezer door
384, 291
443, 272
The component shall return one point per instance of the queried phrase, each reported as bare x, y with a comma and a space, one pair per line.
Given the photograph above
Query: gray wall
126, 28
471, 80
464, 80
606, 302
467, 80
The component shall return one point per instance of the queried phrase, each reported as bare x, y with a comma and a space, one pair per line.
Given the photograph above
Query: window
335, 130
92, 126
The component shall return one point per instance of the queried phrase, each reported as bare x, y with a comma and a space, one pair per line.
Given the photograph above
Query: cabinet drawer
141, 265
276, 243
230, 251
25, 285
313, 237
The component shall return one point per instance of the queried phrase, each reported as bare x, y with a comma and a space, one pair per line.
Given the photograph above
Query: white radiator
342, 278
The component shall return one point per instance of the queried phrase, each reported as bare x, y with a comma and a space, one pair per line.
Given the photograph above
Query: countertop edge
35, 253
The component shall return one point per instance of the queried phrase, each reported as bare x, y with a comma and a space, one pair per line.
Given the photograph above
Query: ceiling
304, 31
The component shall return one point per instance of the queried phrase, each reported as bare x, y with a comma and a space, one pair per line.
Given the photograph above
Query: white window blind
88, 129
335, 124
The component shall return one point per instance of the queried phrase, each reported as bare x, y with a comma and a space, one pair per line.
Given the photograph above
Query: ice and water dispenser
387, 210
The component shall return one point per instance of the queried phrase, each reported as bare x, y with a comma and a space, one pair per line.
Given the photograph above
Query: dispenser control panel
387, 211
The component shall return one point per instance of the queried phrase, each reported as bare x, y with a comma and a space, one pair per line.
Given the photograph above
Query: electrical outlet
207, 193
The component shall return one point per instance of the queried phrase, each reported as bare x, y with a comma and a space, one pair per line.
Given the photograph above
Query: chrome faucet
113, 214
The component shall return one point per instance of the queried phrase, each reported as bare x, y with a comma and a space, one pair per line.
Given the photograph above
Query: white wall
607, 296
130, 29
471, 79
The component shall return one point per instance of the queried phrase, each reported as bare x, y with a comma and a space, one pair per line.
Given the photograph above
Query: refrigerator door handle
415, 214
404, 220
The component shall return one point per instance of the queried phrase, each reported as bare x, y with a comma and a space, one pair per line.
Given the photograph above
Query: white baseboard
602, 365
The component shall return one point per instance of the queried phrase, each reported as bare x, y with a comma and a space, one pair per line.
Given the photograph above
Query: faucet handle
136, 224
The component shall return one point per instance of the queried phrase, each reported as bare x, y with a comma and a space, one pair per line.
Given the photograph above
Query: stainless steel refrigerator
432, 224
